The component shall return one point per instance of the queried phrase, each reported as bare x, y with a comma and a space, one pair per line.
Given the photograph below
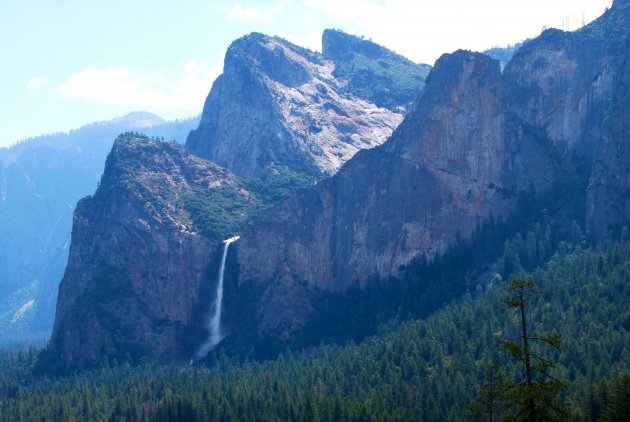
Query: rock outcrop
41, 180
277, 103
138, 273
608, 204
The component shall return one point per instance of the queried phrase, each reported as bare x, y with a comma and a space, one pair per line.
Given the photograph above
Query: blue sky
66, 63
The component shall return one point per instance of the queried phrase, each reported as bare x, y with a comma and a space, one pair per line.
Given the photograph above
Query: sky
66, 63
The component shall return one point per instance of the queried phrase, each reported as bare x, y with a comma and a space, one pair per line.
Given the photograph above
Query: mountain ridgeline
480, 156
373, 72
277, 103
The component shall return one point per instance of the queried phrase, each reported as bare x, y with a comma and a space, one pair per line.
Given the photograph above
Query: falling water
214, 324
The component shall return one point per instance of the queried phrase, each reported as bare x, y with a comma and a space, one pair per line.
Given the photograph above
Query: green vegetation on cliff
385, 82
278, 181
372, 72
224, 212
168, 181
220, 213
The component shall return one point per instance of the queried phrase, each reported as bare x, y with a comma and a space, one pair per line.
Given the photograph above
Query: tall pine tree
533, 397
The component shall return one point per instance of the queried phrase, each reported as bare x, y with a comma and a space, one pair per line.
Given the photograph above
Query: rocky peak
139, 120
457, 126
154, 172
451, 69
139, 273
273, 57
277, 103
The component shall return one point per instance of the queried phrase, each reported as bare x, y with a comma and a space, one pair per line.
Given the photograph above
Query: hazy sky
66, 63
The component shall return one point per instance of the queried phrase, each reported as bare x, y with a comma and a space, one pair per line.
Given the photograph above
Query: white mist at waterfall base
214, 322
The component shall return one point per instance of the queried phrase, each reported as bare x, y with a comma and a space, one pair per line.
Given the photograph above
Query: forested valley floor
425, 369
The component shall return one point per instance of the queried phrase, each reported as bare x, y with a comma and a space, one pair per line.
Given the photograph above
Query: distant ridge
139, 119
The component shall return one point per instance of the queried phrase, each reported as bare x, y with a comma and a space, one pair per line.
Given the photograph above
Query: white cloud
422, 30
36, 84
250, 13
128, 86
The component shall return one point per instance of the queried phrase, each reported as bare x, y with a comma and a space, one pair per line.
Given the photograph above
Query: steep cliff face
138, 272
437, 177
556, 93
566, 95
608, 204
457, 125
474, 139
277, 103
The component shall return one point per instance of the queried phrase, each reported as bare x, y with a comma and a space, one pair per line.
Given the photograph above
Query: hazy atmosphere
71, 62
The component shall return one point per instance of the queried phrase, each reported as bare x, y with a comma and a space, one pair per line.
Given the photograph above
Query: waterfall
214, 323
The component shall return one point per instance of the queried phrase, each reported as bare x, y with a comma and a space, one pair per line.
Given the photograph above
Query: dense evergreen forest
423, 369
